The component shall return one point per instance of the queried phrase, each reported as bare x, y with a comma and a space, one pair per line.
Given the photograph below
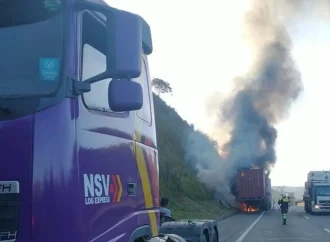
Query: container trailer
253, 189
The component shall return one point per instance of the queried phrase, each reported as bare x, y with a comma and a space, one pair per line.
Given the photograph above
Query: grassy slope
189, 198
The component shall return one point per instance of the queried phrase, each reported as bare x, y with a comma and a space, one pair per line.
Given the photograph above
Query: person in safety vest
284, 203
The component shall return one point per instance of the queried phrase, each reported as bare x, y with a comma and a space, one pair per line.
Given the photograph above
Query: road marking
306, 217
328, 230
249, 228
277, 239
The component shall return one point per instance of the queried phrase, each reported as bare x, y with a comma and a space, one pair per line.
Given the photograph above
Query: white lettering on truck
96, 188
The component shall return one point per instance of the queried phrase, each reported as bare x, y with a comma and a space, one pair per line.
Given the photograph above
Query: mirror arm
76, 88
99, 77
103, 76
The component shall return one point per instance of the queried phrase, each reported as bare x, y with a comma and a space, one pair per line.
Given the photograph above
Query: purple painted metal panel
251, 184
58, 195
70, 141
16, 159
56, 210
105, 147
148, 143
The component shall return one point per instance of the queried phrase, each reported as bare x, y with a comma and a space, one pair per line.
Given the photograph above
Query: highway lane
321, 221
267, 226
231, 228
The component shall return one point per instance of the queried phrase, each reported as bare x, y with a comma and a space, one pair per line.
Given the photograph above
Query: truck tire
205, 236
166, 238
215, 237
265, 206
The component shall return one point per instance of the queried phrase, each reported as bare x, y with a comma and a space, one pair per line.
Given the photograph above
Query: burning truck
253, 190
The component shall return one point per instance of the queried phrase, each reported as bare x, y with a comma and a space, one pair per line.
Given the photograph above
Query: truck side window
94, 62
144, 113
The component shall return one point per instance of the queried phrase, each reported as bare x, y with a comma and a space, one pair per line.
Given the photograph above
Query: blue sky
199, 48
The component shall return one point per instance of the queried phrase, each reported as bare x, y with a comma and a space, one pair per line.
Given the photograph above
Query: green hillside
189, 197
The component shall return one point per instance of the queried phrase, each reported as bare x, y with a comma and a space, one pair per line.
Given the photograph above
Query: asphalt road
267, 226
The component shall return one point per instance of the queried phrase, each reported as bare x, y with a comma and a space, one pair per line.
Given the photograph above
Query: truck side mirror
125, 95
128, 37
124, 41
124, 46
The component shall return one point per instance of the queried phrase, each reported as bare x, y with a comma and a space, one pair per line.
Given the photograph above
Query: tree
161, 86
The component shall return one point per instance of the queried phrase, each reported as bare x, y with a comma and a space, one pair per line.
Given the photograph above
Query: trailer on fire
253, 189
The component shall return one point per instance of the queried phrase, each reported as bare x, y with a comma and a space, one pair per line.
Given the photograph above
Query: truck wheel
215, 237
205, 236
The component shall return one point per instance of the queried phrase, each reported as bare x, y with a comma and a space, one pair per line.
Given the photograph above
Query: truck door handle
131, 189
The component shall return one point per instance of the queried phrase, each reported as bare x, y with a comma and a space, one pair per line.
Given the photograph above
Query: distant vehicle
292, 198
317, 192
253, 189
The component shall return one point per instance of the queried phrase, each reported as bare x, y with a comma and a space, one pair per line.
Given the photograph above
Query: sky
199, 49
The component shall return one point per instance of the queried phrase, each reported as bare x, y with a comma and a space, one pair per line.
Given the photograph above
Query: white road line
278, 239
306, 217
328, 230
240, 239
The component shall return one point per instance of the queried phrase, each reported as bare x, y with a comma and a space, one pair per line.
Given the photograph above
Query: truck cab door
146, 153
105, 148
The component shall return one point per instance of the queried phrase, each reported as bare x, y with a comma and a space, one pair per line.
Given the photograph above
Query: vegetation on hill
178, 181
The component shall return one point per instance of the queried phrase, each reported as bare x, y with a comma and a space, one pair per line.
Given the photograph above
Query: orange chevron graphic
120, 188
116, 188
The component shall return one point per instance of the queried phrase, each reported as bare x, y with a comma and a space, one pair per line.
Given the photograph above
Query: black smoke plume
258, 101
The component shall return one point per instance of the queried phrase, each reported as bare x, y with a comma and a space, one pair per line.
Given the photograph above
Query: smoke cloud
258, 101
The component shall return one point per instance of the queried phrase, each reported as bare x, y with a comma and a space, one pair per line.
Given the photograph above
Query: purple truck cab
77, 128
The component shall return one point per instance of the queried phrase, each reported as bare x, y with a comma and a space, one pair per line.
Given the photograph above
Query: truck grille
324, 202
9, 210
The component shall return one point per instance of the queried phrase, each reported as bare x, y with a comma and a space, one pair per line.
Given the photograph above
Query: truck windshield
31, 45
322, 190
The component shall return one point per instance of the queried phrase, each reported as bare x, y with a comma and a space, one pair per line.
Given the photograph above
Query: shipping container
268, 189
253, 187
251, 184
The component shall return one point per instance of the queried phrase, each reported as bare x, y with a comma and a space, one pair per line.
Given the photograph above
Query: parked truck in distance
317, 192
253, 189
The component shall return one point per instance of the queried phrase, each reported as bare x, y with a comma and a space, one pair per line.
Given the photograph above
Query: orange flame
248, 208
